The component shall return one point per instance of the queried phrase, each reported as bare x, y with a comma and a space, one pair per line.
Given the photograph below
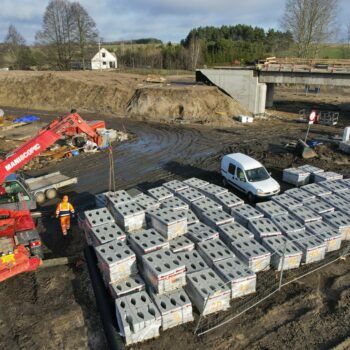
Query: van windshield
257, 174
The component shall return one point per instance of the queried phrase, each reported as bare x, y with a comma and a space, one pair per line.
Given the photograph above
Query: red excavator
20, 244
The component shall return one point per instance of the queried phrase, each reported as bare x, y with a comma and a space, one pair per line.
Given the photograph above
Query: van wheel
51, 193
224, 182
40, 197
251, 197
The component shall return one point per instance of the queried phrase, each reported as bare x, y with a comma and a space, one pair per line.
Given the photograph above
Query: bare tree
194, 52
85, 30
14, 46
311, 22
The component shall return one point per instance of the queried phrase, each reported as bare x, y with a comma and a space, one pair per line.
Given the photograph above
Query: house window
104, 63
103, 54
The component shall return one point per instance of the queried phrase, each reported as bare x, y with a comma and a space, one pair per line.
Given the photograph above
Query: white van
248, 176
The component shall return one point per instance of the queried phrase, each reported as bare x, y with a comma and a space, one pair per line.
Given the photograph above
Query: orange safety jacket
64, 209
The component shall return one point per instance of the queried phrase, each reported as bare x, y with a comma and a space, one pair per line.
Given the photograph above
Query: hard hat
65, 198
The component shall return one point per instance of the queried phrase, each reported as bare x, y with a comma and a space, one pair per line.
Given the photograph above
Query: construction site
207, 210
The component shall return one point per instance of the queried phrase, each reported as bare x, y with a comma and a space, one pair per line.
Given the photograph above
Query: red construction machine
20, 243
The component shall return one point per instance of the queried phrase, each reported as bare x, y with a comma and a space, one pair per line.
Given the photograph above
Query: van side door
241, 180
231, 173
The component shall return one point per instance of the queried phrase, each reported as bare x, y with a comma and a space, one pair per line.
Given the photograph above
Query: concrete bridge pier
270, 91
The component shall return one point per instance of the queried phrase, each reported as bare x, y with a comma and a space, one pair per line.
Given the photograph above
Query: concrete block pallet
175, 186
127, 286
105, 233
116, 260
296, 176
317, 190
192, 218
338, 202
205, 204
212, 190
286, 201
147, 241
345, 182
208, 292
130, 216
170, 224
190, 195
215, 218
174, 203
305, 215
201, 232
181, 244
327, 176
175, 308
163, 271
244, 213
192, 260
196, 183
97, 217
312, 170
283, 252
138, 317
319, 206
147, 202
228, 200
344, 194
213, 251
313, 248
271, 209
160, 193
263, 227
117, 198
330, 235
253, 254
340, 221
300, 195
234, 272
288, 224
234, 232
334, 186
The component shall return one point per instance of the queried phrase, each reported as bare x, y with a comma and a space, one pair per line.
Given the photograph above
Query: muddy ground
54, 308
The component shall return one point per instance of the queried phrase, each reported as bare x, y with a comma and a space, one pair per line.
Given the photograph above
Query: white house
104, 60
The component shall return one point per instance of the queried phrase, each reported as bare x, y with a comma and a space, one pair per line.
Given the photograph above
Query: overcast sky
168, 20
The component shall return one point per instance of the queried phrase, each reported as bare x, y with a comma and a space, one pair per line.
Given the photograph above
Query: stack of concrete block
205, 204
345, 182
208, 292
214, 251
244, 213
319, 206
127, 286
160, 193
175, 186
190, 195
215, 218
263, 227
192, 260
147, 202
105, 233
163, 271
147, 241
296, 176
116, 261
330, 235
234, 232
313, 248
288, 224
117, 198
340, 221
137, 317
286, 201
338, 202
305, 215
253, 254
334, 186
192, 218
285, 254
170, 224
228, 200
317, 190
271, 209
174, 203
313, 170
97, 217
174, 307
234, 272
200, 232
300, 195
212, 190
196, 183
181, 244
345, 195
327, 176
130, 216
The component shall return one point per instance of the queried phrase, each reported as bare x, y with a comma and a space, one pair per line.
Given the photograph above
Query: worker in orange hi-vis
64, 211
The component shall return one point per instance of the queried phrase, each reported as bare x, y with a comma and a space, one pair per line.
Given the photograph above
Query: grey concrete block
245, 213
234, 232
345, 195
160, 193
170, 224
213, 251
284, 253
334, 186
327, 176
263, 227
147, 202
234, 272
196, 183
228, 200
305, 215
330, 235
130, 216
163, 271
253, 254
97, 217
127, 286
311, 169
286, 201
345, 182
192, 218
319, 206
175, 308
288, 224
190, 195
205, 204
338, 202
147, 241
174, 203
200, 232
317, 190
175, 186
212, 190
215, 218
300, 195
192, 260
340, 221
208, 292
106, 233
181, 244
296, 176
271, 209
117, 198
